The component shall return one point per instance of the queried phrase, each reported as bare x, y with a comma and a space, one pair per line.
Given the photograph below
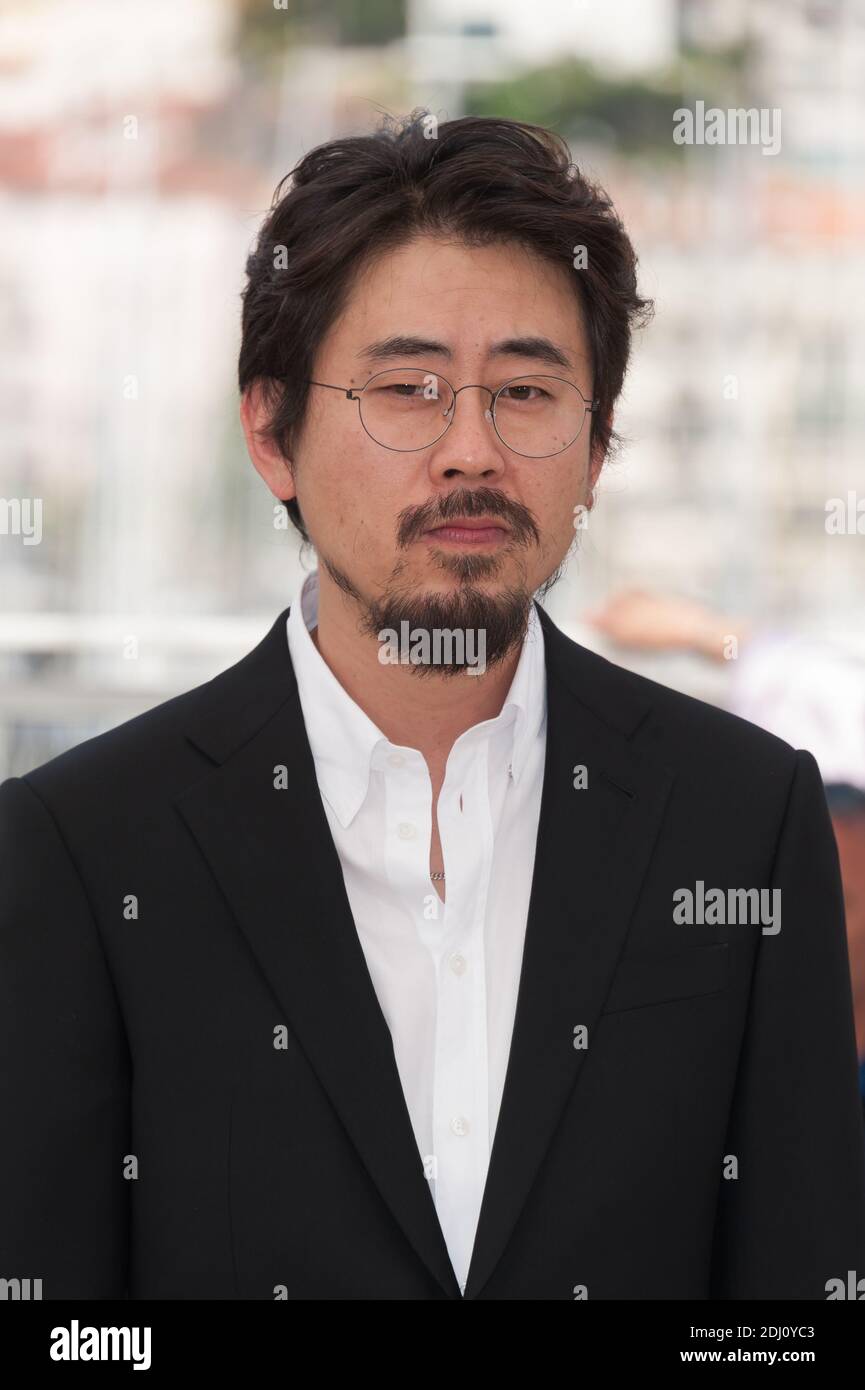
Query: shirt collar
528, 694
341, 735
343, 739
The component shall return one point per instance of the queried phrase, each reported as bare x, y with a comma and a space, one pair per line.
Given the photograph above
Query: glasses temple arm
347, 392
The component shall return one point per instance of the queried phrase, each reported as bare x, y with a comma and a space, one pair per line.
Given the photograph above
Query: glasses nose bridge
472, 386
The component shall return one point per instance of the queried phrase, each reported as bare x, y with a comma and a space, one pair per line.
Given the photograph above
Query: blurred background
139, 149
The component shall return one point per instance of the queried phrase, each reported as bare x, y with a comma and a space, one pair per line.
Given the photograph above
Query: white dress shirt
445, 974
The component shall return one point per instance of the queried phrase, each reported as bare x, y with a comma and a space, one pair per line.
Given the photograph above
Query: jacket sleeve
794, 1218
64, 1070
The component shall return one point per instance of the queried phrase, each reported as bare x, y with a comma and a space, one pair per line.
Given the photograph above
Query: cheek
555, 501
353, 501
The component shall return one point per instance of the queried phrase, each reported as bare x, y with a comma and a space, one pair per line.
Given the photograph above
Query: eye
519, 392
403, 390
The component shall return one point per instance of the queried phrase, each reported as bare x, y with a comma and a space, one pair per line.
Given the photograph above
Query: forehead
464, 295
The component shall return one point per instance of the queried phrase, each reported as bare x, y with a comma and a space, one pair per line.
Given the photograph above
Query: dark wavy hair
480, 179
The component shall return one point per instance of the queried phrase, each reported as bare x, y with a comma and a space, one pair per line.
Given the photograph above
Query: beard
495, 623
497, 620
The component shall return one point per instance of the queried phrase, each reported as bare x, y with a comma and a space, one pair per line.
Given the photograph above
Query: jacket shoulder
681, 728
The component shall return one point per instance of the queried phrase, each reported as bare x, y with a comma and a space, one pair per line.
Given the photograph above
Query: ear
273, 466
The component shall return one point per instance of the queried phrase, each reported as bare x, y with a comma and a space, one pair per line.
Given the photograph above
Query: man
424, 954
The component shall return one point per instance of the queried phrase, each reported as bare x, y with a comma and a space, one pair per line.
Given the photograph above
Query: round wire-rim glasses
428, 375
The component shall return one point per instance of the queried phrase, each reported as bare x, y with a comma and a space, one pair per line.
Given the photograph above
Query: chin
467, 569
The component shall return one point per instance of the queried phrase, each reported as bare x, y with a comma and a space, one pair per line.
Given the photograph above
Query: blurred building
139, 147
745, 404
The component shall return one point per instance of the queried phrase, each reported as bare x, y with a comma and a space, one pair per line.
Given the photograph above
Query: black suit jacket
166, 910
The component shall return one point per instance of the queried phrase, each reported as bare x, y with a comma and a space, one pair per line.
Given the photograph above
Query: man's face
375, 515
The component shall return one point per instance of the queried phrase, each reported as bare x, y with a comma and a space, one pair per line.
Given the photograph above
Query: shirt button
457, 963
406, 830
460, 1125
395, 759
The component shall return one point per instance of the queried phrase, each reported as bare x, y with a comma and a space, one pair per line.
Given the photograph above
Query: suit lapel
593, 848
273, 856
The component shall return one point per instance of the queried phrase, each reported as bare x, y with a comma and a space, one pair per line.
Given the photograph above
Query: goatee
495, 624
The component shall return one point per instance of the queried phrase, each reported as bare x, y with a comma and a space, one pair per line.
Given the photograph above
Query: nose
470, 447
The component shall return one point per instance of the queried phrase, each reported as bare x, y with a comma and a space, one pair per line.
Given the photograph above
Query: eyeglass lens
409, 408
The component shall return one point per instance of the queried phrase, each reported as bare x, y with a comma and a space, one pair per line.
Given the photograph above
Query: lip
469, 531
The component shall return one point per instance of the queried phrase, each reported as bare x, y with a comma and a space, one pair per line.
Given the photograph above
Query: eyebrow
537, 349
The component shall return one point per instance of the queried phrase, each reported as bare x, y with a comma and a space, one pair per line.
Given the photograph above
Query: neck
427, 712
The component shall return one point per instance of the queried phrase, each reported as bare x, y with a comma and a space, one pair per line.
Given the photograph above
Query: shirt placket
408, 817
460, 1092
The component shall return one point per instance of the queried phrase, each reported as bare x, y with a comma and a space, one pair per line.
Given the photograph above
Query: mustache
412, 522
